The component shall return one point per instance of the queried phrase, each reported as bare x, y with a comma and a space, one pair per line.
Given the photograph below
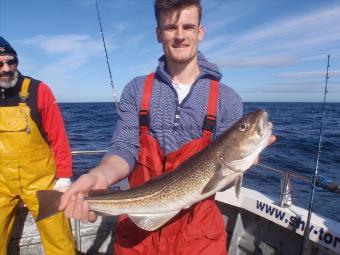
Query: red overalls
196, 230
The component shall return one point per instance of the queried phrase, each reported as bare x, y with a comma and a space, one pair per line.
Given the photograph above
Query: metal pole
286, 191
88, 152
77, 234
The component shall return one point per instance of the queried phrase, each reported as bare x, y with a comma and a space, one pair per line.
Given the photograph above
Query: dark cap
6, 48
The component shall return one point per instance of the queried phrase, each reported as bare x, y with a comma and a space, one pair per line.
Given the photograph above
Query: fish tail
49, 201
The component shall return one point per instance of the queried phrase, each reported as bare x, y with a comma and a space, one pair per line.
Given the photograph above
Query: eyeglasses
10, 62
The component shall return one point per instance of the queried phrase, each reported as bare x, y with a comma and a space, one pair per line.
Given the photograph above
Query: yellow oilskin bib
26, 166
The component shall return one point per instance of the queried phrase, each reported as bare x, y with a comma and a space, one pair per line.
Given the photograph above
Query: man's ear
158, 34
201, 32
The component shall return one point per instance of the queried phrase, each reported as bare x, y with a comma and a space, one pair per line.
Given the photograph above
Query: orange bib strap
144, 119
209, 123
209, 120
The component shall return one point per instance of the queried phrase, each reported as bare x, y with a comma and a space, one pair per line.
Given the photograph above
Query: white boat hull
260, 224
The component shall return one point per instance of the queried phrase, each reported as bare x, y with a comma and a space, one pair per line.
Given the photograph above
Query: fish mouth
263, 132
262, 138
265, 126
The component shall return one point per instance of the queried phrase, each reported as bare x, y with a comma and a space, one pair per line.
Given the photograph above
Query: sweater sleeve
53, 126
125, 140
230, 109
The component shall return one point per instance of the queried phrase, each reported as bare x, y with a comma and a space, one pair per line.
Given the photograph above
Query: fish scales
180, 184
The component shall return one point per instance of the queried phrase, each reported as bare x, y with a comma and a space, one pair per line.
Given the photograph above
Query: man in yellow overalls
34, 153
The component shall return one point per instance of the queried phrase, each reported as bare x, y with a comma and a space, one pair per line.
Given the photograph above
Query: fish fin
49, 201
102, 192
214, 181
151, 222
238, 185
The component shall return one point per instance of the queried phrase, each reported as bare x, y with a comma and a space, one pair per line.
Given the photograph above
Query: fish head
242, 143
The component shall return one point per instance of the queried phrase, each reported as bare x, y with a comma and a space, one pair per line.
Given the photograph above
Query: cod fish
219, 166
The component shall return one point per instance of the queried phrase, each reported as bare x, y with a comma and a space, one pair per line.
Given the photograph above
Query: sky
267, 51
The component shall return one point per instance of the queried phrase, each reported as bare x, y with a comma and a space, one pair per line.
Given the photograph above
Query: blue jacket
171, 123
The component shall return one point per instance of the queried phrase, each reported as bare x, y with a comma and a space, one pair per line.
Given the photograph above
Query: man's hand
111, 170
72, 201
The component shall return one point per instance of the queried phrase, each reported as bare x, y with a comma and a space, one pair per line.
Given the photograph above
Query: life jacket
196, 230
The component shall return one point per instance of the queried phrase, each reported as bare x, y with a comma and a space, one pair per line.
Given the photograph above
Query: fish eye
243, 127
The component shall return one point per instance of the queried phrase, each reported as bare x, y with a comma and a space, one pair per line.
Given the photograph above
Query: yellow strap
24, 88
24, 91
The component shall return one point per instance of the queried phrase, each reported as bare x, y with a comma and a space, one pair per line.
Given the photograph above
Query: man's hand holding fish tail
111, 170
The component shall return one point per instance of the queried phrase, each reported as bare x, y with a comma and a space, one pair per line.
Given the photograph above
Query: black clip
144, 118
209, 123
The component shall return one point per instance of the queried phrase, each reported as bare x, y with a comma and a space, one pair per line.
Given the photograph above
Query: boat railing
88, 152
286, 183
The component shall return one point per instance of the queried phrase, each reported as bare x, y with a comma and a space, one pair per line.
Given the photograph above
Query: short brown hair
164, 6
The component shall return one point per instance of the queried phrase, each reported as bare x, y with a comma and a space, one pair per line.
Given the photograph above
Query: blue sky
266, 50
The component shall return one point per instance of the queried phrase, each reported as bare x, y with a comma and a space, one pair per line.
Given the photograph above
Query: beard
10, 84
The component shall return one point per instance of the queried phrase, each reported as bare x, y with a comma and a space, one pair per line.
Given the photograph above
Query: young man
34, 153
165, 118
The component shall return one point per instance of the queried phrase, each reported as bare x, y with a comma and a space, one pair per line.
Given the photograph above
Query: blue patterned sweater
172, 123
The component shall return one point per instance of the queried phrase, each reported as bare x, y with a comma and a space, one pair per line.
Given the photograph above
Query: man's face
180, 32
8, 71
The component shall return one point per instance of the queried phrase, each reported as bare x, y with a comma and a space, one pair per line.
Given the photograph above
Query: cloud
69, 43
120, 4
294, 88
311, 74
306, 26
212, 43
143, 69
65, 54
216, 25
257, 62
118, 27
295, 37
136, 40
322, 54
70, 51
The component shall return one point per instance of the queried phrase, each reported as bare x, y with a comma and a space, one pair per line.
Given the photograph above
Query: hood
207, 69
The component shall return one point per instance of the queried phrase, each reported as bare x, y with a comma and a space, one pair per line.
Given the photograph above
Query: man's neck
185, 73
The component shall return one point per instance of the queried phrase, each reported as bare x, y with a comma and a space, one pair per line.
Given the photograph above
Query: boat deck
95, 238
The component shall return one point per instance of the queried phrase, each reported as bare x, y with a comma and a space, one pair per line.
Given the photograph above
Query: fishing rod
107, 58
77, 222
305, 239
